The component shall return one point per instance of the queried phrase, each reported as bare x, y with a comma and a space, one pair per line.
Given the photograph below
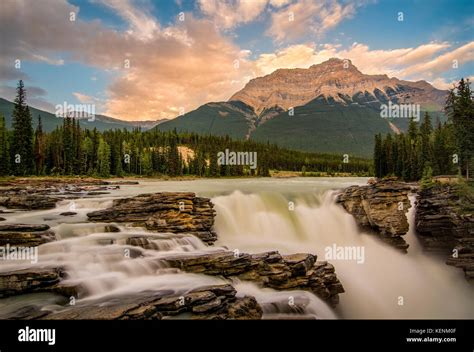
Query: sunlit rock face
334, 80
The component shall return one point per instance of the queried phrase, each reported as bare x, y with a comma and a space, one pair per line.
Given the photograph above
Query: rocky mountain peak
334, 80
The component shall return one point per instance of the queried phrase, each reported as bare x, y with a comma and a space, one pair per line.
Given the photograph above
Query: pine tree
378, 156
387, 156
39, 148
213, 166
173, 161
146, 163
87, 150
22, 137
77, 144
426, 148
103, 154
460, 110
4, 148
68, 145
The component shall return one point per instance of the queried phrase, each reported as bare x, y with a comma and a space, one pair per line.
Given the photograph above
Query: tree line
71, 150
423, 151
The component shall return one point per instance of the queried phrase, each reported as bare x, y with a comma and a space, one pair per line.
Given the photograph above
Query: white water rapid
252, 216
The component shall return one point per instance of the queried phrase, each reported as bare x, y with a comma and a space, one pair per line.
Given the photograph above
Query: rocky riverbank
380, 207
212, 302
443, 226
442, 223
41, 194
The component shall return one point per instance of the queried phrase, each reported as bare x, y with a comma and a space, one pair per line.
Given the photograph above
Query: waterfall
291, 216
388, 284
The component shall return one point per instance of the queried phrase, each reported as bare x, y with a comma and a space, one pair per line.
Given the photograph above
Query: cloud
186, 64
168, 76
141, 24
441, 83
48, 60
444, 62
177, 67
308, 17
230, 13
83, 98
279, 3
427, 61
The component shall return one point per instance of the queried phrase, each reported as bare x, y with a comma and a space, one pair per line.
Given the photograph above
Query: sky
153, 59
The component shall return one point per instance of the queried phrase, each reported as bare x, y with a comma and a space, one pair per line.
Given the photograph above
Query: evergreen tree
39, 148
146, 163
68, 145
425, 156
213, 166
22, 137
103, 154
173, 159
460, 110
378, 156
4, 148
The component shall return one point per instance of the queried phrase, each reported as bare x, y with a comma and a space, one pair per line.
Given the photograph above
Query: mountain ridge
51, 121
335, 78
336, 108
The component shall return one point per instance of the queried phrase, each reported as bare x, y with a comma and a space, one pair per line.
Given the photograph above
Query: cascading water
388, 284
286, 215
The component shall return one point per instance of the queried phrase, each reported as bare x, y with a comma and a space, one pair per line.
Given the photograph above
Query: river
253, 215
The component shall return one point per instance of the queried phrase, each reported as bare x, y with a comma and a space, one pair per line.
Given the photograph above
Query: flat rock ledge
211, 302
175, 212
42, 194
25, 235
33, 280
381, 207
270, 269
443, 227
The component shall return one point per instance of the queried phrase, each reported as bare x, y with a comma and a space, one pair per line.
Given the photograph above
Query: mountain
337, 80
51, 121
329, 107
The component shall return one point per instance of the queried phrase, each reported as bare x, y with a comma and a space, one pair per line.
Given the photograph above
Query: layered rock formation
27, 202
336, 80
380, 206
180, 212
184, 213
174, 216
25, 235
35, 280
212, 302
42, 194
271, 269
444, 227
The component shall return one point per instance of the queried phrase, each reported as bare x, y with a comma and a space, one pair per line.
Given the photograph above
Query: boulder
270, 269
381, 207
68, 213
25, 235
443, 226
175, 212
27, 202
212, 302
